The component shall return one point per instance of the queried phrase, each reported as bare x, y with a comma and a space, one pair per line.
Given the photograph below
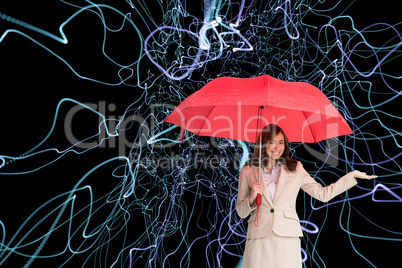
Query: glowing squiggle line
64, 39
288, 15
32, 28
29, 152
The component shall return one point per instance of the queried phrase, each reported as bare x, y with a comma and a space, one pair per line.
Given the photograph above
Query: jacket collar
281, 182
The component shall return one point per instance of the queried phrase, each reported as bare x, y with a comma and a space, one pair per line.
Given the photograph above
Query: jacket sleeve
243, 207
324, 194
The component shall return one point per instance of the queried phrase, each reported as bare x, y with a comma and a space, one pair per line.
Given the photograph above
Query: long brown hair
269, 132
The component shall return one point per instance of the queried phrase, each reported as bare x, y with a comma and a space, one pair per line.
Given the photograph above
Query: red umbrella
238, 108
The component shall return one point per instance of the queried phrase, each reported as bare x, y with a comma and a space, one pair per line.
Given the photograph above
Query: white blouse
271, 179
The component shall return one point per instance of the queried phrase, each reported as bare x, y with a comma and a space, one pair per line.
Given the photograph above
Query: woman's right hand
256, 188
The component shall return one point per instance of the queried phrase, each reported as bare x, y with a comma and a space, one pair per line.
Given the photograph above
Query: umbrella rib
315, 141
205, 120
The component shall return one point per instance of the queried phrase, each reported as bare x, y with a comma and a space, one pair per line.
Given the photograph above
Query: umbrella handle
258, 200
258, 203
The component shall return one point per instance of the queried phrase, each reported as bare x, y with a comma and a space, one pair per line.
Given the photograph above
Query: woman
273, 228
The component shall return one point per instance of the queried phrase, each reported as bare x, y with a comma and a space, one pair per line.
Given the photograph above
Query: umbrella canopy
238, 108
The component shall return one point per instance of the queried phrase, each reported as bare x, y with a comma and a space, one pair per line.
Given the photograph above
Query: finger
258, 191
363, 175
359, 174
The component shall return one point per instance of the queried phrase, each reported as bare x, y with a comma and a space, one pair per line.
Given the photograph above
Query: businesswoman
273, 228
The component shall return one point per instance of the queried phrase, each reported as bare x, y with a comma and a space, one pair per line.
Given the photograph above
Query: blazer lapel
265, 193
281, 182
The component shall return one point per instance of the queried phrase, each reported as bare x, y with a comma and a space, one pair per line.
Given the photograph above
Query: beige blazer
279, 215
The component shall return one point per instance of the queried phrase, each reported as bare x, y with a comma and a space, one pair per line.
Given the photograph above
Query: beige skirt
272, 252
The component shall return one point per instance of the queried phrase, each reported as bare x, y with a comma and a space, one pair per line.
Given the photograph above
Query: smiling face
275, 147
